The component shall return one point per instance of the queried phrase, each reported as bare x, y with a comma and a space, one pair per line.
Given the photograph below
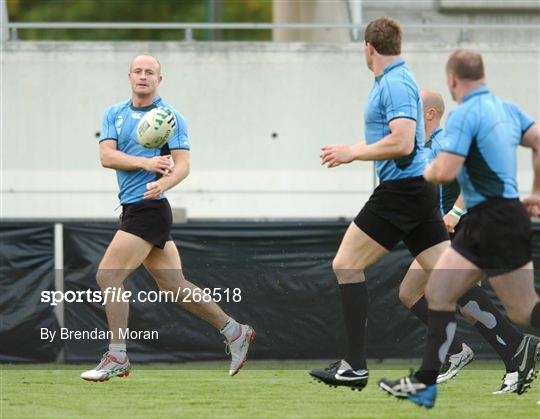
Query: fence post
59, 277
4, 19
188, 35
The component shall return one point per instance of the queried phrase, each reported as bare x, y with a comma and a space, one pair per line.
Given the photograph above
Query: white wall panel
234, 97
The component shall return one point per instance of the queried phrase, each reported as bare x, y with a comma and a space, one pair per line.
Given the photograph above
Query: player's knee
338, 264
103, 279
109, 278
341, 263
406, 297
345, 272
437, 296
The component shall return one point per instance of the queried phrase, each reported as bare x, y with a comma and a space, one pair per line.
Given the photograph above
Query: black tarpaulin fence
283, 270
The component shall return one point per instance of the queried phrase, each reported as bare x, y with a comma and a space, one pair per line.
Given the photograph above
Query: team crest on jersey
136, 115
118, 124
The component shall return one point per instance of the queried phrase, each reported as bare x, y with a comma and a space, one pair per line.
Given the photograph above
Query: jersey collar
435, 133
478, 91
432, 136
390, 67
144, 108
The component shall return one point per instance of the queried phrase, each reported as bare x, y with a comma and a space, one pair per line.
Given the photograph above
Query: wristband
457, 211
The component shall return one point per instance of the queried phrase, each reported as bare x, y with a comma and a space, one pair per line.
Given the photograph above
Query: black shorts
496, 236
149, 220
404, 209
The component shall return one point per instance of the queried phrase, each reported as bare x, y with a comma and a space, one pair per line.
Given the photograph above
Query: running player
479, 309
479, 148
144, 236
403, 207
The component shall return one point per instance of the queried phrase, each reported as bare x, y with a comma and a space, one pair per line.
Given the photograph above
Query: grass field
260, 390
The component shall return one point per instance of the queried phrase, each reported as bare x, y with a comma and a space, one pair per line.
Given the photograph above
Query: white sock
118, 350
231, 330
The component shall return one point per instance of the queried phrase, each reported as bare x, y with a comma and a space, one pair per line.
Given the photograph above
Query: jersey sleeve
525, 121
179, 140
459, 133
399, 100
108, 129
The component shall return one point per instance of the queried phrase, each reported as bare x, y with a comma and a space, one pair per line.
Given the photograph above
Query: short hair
466, 64
146, 54
384, 34
433, 99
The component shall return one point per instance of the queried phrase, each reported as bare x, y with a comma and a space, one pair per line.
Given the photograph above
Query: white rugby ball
156, 127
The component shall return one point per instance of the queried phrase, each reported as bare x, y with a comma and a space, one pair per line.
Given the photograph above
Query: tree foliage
139, 11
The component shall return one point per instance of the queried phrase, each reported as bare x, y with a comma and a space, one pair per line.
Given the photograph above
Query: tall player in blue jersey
479, 148
403, 207
144, 235
475, 304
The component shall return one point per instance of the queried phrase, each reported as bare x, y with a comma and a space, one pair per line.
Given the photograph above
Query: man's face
144, 76
368, 54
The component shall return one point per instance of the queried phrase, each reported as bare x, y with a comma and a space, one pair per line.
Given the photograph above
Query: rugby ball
156, 127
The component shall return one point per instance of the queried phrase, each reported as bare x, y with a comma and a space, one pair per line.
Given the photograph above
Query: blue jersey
486, 131
120, 124
395, 94
447, 193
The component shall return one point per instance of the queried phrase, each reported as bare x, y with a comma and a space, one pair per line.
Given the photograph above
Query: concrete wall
235, 97
413, 12
311, 11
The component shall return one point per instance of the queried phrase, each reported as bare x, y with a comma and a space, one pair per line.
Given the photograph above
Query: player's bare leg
125, 254
412, 287
518, 295
166, 268
356, 252
451, 277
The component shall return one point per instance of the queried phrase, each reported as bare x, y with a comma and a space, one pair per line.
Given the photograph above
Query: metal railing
189, 27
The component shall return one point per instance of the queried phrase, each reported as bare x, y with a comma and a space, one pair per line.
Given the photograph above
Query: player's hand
153, 190
532, 204
450, 221
334, 155
159, 164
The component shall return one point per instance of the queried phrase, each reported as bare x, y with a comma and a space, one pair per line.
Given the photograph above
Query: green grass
261, 390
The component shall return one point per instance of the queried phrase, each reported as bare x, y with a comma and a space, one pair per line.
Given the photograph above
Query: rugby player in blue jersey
479, 149
403, 207
144, 235
475, 304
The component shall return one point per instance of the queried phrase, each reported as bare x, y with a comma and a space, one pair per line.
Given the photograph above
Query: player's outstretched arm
399, 143
178, 173
112, 158
531, 139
